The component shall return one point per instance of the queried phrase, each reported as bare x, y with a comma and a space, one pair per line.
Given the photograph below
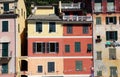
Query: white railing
77, 18
70, 5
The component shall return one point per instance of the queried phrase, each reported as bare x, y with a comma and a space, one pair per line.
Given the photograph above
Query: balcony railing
5, 53
70, 5
11, 11
77, 18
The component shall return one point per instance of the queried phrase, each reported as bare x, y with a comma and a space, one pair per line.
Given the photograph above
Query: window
52, 47
40, 69
98, 20
78, 65
69, 29
21, 12
4, 26
38, 26
85, 30
51, 67
67, 48
4, 49
99, 55
112, 53
110, 20
99, 73
113, 71
6, 6
77, 46
98, 7
4, 68
89, 48
110, 6
111, 35
39, 47
52, 27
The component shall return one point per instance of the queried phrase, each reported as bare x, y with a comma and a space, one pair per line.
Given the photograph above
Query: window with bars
111, 35
38, 26
79, 66
51, 67
52, 27
112, 53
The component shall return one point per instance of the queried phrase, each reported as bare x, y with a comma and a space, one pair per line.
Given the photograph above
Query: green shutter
38, 26
115, 34
52, 27
77, 46
34, 47
67, 48
4, 49
69, 29
98, 20
4, 26
4, 68
107, 35
57, 47
99, 57
78, 65
114, 20
6, 6
113, 71
107, 20
99, 73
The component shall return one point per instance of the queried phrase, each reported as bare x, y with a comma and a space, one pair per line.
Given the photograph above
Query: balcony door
4, 49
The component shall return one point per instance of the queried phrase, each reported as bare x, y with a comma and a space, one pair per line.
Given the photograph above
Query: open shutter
43, 48
48, 47
57, 47
34, 47
107, 35
114, 19
107, 20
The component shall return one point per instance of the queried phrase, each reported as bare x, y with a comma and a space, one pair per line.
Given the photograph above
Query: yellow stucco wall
34, 62
44, 11
45, 30
101, 30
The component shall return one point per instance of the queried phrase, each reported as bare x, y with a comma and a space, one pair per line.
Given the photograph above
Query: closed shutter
4, 26
78, 65
4, 68
67, 48
34, 47
52, 27
69, 29
4, 49
107, 20
40, 69
113, 71
6, 6
99, 57
51, 66
38, 26
77, 46
107, 35
114, 20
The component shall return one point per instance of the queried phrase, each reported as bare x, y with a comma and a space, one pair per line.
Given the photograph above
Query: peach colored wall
71, 42
77, 30
69, 66
34, 62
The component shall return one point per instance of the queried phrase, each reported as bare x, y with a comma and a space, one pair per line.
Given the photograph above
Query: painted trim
73, 57
60, 37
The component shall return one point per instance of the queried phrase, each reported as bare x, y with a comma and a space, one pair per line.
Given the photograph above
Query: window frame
78, 65
51, 67
85, 29
56, 48
112, 71
69, 29
112, 53
35, 50
111, 35
5, 26
98, 21
40, 69
39, 27
111, 20
67, 48
6, 8
77, 47
99, 55
52, 27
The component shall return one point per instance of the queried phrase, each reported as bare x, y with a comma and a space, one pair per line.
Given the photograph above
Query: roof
51, 17
7, 1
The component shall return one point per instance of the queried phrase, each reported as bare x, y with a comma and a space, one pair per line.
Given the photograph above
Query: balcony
5, 56
70, 6
10, 13
79, 19
112, 44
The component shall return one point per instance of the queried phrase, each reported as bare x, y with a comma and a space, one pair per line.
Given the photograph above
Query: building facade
106, 15
12, 23
77, 39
